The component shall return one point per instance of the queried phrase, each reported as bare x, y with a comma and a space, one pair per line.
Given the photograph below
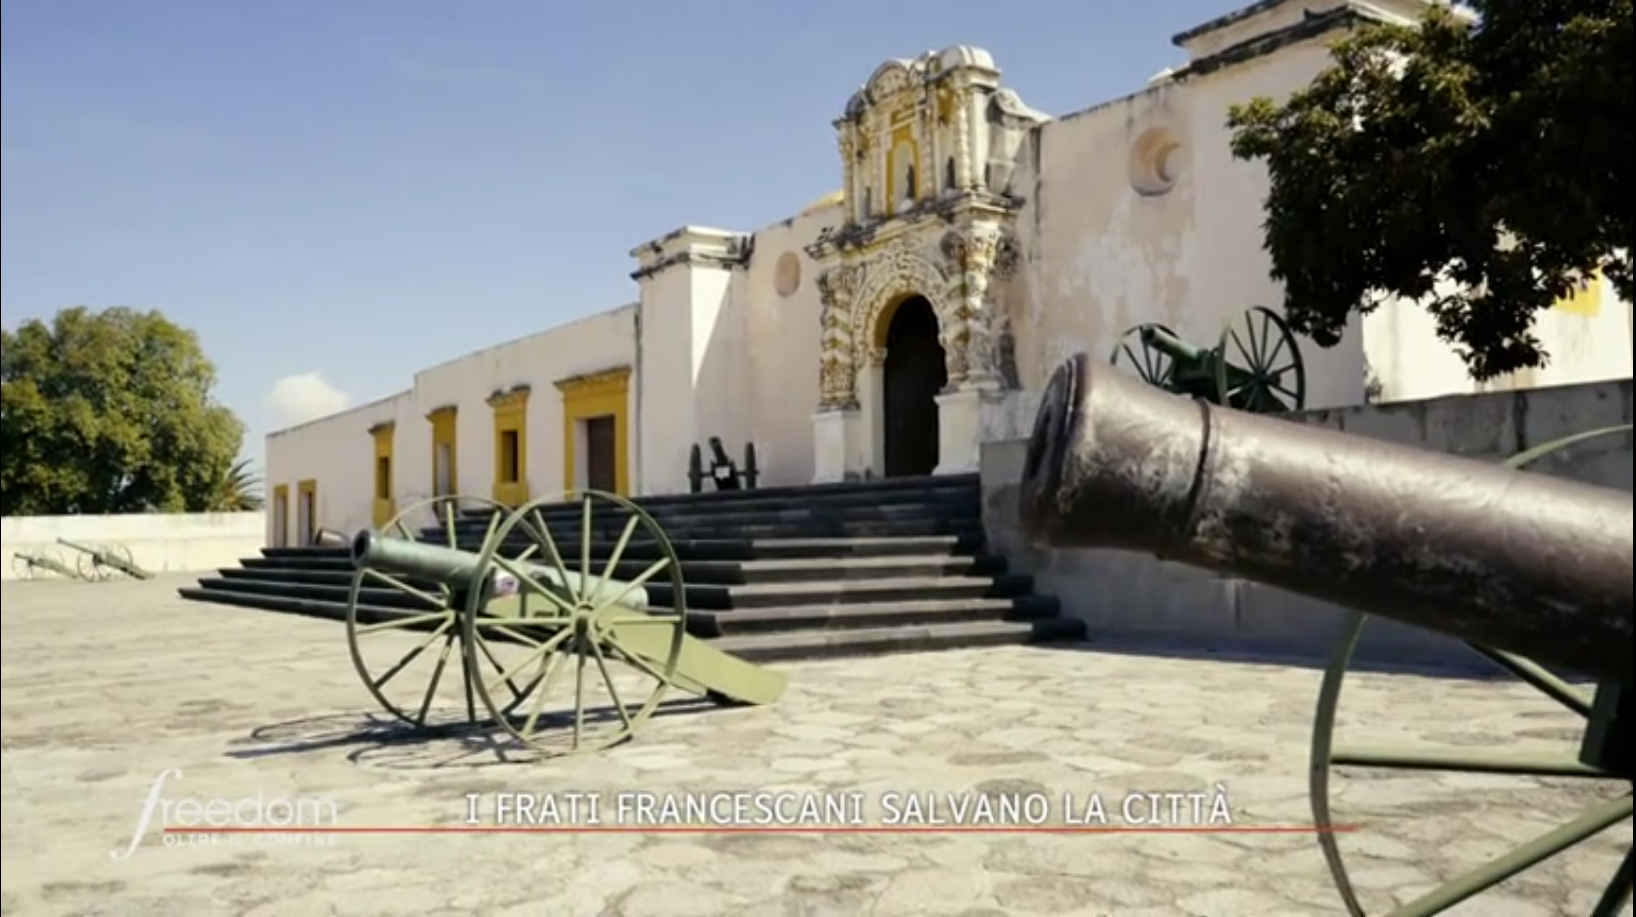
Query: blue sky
421, 178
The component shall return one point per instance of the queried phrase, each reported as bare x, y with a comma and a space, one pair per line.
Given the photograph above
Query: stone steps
778, 574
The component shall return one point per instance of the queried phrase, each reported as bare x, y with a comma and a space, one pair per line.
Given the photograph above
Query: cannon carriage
1532, 572
564, 624
1255, 365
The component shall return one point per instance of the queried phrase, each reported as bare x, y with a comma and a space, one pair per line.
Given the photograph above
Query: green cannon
527, 605
98, 564
1256, 365
29, 565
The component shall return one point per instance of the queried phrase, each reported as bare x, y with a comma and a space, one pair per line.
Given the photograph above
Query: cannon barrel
456, 569
1526, 563
82, 548
1170, 345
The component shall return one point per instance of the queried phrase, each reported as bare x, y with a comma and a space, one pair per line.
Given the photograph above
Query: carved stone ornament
837, 372
900, 268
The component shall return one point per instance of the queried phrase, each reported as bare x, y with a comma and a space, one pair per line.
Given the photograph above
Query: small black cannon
722, 470
1256, 365
1515, 564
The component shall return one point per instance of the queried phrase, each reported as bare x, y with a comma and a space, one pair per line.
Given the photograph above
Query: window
510, 457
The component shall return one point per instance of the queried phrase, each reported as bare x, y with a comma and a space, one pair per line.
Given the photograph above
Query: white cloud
303, 397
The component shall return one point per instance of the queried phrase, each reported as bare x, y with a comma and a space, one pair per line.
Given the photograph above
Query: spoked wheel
402, 633
122, 555
90, 570
22, 568
1260, 368
572, 613
1135, 351
1593, 820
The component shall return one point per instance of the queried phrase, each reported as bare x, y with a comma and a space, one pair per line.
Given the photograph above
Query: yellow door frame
600, 394
384, 504
281, 516
445, 423
510, 418
306, 494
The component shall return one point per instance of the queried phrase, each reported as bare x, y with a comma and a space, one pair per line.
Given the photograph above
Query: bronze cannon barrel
1531, 564
457, 569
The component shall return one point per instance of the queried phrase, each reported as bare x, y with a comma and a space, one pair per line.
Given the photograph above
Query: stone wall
184, 542
1128, 597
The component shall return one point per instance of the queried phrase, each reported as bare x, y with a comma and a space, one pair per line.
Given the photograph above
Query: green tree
1493, 154
238, 491
110, 412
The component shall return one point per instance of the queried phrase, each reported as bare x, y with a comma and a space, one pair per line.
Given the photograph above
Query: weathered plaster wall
158, 543
339, 452
781, 331
1125, 596
1588, 339
1113, 240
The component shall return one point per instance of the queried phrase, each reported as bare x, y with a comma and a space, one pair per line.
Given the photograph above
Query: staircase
771, 574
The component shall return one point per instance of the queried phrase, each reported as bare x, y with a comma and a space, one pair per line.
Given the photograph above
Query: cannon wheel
437, 618
89, 569
121, 553
1326, 756
1151, 365
576, 625
22, 567
1260, 343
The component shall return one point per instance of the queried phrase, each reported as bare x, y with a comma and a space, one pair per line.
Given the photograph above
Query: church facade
896, 325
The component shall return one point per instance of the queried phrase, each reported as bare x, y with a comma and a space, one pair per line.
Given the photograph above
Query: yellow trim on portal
603, 394
1586, 300
901, 136
384, 502
445, 423
306, 493
281, 516
510, 421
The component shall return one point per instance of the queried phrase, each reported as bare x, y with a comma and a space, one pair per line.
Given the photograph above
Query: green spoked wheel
1259, 367
1327, 755
1135, 352
591, 630
403, 634
91, 568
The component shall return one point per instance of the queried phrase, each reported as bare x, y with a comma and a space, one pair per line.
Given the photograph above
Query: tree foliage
1481, 169
111, 412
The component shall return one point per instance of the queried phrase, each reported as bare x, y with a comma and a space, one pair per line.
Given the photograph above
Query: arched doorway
912, 377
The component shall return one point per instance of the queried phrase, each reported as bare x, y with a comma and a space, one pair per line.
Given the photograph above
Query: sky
337, 193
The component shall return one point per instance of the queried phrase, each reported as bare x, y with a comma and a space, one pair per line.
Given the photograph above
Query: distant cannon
1255, 366
97, 564
530, 603
29, 564
1517, 565
722, 471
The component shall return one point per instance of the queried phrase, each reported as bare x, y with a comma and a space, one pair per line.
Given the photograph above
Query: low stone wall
159, 543
1127, 597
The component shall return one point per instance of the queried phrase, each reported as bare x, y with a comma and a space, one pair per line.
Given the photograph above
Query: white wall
1102, 257
158, 543
339, 452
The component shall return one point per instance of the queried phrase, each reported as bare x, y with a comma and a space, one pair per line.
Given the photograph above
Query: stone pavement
107, 686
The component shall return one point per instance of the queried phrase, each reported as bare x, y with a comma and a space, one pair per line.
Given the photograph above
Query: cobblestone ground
107, 686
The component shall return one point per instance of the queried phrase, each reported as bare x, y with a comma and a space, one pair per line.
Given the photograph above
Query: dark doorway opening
601, 457
913, 376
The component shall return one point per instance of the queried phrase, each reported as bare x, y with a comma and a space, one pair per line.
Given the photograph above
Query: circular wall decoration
787, 274
1155, 159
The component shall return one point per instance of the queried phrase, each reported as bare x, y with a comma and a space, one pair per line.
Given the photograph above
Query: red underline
779, 829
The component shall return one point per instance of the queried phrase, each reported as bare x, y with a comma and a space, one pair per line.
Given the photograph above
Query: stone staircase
771, 574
